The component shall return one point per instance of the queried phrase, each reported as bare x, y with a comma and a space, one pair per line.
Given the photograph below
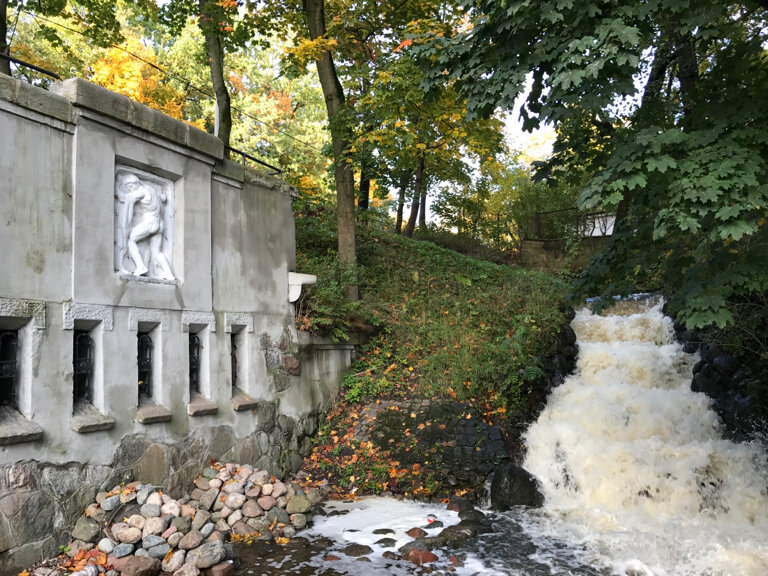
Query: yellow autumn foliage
136, 78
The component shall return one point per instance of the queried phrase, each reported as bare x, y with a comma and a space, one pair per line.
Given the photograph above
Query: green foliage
682, 159
451, 325
446, 324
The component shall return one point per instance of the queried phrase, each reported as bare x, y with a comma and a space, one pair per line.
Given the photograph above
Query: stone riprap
137, 530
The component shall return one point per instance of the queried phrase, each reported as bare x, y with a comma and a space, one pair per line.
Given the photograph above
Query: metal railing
245, 156
30, 66
560, 224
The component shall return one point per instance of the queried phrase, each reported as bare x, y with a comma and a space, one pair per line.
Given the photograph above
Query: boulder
514, 486
210, 553
141, 566
86, 529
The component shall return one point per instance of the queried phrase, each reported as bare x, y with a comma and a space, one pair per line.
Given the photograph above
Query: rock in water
207, 555
514, 486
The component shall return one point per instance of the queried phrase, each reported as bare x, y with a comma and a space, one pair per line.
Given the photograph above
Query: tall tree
686, 160
5, 64
341, 136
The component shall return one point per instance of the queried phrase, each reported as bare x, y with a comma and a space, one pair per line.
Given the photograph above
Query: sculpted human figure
141, 219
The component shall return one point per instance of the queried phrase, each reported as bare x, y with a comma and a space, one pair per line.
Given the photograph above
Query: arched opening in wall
9, 353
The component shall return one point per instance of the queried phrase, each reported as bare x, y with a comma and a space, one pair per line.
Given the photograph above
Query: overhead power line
188, 83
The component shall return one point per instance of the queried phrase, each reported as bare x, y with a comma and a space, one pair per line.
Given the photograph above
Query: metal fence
570, 222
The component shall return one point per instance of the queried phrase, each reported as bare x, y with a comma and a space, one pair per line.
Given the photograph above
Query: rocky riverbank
137, 530
238, 516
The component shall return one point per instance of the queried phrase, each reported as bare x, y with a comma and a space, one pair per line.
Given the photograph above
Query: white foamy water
637, 478
633, 465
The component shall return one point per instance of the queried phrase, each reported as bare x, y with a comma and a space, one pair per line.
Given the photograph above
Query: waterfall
633, 465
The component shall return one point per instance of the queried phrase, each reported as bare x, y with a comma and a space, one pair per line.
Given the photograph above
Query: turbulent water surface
637, 478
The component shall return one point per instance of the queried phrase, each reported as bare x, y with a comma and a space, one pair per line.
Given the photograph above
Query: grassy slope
445, 326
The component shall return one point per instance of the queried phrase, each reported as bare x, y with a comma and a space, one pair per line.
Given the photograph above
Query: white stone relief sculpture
143, 224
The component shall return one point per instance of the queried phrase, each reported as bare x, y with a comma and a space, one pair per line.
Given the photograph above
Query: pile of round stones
191, 534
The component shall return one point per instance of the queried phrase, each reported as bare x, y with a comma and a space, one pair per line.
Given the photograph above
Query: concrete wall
233, 247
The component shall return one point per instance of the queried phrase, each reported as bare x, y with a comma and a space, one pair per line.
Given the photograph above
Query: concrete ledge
241, 401
93, 97
15, 429
87, 418
33, 98
200, 406
152, 414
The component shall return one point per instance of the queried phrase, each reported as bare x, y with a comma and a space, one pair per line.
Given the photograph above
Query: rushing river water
636, 476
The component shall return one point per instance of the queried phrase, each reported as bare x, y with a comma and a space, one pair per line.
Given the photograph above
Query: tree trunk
340, 138
423, 210
365, 186
404, 178
5, 65
409, 228
215, 51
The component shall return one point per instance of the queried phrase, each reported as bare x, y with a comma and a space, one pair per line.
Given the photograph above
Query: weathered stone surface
201, 518
94, 511
280, 514
110, 503
279, 489
208, 498
77, 546
152, 540
299, 504
155, 525
235, 517
143, 494
420, 557
254, 491
207, 555
175, 562
241, 528
260, 477
192, 540
266, 502
416, 533
471, 515
137, 521
298, 520
235, 500
202, 483
86, 529
514, 486
150, 510
106, 546
122, 550
169, 532
181, 523
141, 566
174, 539
356, 550
130, 535
251, 509
159, 551
232, 488
266, 489
207, 529
171, 508
220, 569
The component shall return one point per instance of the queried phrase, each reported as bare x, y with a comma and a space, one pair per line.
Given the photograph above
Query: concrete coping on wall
31, 97
84, 94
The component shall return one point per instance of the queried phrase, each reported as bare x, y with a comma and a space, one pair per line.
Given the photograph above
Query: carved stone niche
144, 205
